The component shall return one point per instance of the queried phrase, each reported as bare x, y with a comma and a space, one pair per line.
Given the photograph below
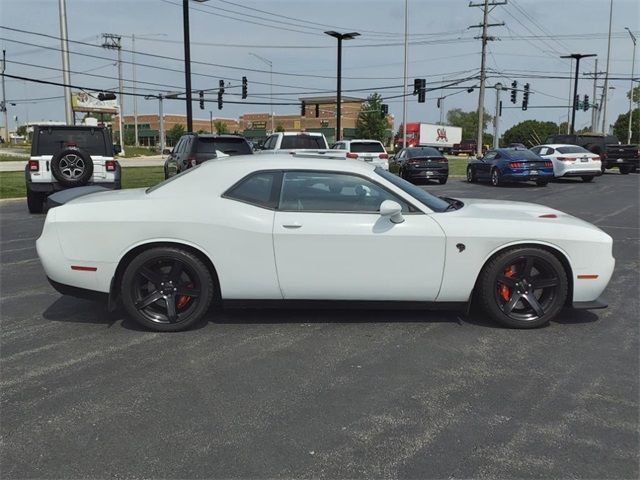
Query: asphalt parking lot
330, 394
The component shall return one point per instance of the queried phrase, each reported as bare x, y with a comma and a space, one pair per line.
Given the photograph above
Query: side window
490, 156
178, 146
333, 192
269, 144
259, 189
497, 156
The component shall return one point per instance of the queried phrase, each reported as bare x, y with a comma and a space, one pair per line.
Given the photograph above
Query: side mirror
393, 210
117, 149
166, 151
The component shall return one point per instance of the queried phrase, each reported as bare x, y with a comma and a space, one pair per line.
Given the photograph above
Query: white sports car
571, 161
284, 228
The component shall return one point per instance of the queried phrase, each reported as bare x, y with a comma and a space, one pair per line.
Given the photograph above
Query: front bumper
593, 305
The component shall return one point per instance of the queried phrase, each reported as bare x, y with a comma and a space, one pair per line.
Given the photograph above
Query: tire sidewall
86, 175
495, 173
496, 266
206, 282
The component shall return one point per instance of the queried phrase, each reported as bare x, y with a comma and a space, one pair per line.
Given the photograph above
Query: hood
504, 210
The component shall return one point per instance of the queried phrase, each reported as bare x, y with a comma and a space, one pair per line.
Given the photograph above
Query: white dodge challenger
307, 230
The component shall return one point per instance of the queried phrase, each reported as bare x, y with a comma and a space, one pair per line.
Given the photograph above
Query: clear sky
289, 33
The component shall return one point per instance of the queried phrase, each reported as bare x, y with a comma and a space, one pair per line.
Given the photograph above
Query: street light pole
605, 129
210, 122
66, 79
496, 118
270, 64
340, 37
633, 66
577, 57
187, 62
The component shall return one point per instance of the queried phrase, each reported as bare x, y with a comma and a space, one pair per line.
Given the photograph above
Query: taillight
34, 165
444, 160
383, 156
548, 163
604, 155
516, 165
110, 165
352, 155
566, 159
595, 159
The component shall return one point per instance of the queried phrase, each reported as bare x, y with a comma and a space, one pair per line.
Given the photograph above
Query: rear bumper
79, 292
526, 176
425, 174
580, 173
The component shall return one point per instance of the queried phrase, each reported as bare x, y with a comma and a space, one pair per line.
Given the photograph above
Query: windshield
171, 179
367, 147
302, 141
434, 203
230, 146
91, 140
523, 155
573, 149
423, 152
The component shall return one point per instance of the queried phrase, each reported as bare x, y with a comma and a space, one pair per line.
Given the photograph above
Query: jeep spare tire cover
72, 167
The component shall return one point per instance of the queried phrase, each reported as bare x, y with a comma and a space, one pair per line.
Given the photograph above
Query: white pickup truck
284, 142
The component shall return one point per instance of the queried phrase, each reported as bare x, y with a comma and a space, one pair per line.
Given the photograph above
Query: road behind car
335, 394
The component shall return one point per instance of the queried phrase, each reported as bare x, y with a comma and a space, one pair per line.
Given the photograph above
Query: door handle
292, 225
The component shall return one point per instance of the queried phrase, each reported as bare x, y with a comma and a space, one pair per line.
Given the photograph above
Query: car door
483, 168
331, 243
171, 162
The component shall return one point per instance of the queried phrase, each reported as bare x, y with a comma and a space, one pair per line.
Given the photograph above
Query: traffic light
201, 95
244, 87
303, 109
514, 92
384, 108
585, 104
525, 97
417, 83
422, 89
438, 103
220, 93
102, 96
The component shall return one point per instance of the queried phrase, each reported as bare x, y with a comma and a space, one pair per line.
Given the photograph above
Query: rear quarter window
260, 189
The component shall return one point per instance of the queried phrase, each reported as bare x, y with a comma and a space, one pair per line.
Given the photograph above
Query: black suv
612, 153
192, 149
68, 156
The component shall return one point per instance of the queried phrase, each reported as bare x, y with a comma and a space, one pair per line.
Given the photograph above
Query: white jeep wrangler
68, 156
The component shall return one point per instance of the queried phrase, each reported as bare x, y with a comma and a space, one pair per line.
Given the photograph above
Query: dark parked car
192, 149
422, 163
613, 154
504, 165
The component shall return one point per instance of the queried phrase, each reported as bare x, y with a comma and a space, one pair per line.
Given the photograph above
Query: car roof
362, 140
558, 145
285, 161
314, 134
215, 135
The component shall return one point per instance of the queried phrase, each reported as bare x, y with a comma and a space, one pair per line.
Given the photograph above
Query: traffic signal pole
577, 57
496, 118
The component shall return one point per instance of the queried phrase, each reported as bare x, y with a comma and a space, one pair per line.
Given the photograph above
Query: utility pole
570, 102
404, 83
269, 63
441, 102
114, 42
496, 118
577, 57
485, 39
210, 122
64, 44
605, 129
4, 101
161, 115
135, 97
633, 67
594, 123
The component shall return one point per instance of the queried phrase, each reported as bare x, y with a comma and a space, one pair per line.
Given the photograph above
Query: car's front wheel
523, 287
625, 169
35, 202
587, 178
542, 183
442, 181
166, 289
471, 175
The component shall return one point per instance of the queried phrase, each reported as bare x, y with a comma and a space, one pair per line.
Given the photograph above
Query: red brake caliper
503, 290
183, 299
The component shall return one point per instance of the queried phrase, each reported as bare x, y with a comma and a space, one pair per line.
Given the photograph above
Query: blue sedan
503, 165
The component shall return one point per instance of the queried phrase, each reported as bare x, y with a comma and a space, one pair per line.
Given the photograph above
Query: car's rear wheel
625, 169
443, 180
523, 287
166, 289
587, 178
495, 178
542, 183
471, 175
35, 202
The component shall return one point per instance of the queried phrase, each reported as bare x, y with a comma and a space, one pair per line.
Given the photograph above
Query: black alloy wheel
471, 175
166, 289
495, 177
524, 287
625, 169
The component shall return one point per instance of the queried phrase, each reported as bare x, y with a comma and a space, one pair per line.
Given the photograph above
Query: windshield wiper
453, 204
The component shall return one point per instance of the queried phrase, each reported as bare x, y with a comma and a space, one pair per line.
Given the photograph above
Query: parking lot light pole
633, 67
340, 37
187, 60
577, 57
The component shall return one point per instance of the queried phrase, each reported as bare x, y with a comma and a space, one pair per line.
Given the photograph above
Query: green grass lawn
12, 158
131, 151
12, 184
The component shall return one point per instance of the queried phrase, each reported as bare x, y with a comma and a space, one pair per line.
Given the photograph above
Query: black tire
542, 183
625, 169
471, 175
72, 167
496, 181
603, 167
587, 178
513, 270
35, 201
442, 181
166, 289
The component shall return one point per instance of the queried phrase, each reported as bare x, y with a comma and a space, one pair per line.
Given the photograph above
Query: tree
22, 130
129, 137
220, 127
529, 132
620, 128
468, 121
636, 94
279, 128
175, 133
371, 122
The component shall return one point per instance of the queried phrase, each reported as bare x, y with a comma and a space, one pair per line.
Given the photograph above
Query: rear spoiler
320, 153
65, 196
